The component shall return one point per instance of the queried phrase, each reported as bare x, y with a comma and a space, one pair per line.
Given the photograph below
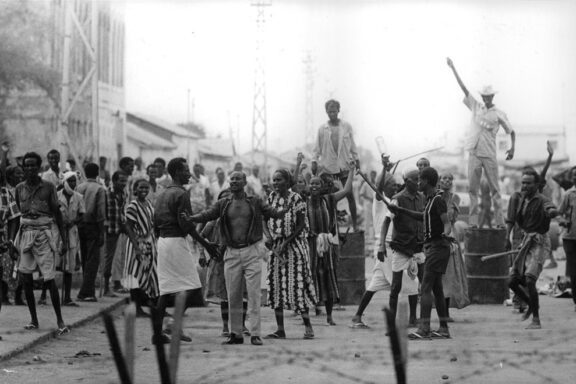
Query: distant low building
214, 153
163, 139
531, 144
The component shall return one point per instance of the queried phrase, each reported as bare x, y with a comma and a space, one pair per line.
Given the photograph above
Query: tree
25, 39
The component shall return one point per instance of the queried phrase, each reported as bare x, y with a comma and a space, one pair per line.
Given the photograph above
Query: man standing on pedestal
335, 147
481, 144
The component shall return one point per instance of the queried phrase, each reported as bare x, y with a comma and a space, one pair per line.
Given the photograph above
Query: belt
170, 236
240, 245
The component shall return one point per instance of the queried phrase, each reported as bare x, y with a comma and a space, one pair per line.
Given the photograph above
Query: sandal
440, 334
276, 335
359, 325
308, 335
419, 335
62, 330
31, 326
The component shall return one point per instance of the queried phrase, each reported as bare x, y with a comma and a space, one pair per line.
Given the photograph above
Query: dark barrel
351, 268
487, 280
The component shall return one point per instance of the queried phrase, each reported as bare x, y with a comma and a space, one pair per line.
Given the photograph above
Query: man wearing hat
481, 144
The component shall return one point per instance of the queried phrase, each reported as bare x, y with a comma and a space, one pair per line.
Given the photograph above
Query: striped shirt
433, 225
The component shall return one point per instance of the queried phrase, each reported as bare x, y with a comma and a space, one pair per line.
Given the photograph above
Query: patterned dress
8, 211
142, 271
323, 251
290, 280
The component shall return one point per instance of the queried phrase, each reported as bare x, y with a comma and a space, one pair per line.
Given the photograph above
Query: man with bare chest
241, 229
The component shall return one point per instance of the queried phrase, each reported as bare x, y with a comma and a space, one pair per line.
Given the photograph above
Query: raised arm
548, 161
339, 195
298, 168
460, 83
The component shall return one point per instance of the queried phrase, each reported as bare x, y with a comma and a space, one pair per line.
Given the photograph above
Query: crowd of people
146, 233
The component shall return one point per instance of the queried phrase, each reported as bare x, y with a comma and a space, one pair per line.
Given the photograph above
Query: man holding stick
533, 217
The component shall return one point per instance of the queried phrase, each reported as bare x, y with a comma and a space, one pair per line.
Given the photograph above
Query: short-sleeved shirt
568, 210
481, 140
434, 209
335, 158
37, 200
407, 234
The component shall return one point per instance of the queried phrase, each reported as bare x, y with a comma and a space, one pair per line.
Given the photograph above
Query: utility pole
309, 72
259, 125
72, 24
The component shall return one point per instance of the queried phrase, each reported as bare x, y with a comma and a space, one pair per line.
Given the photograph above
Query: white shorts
382, 277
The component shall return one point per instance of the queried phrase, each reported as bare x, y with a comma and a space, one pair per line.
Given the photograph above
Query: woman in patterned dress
289, 276
323, 240
140, 267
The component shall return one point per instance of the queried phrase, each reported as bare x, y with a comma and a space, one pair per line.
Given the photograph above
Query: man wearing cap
481, 144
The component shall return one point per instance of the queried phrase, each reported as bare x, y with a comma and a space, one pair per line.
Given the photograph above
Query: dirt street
489, 345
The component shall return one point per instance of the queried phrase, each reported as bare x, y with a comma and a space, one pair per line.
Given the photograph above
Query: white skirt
176, 266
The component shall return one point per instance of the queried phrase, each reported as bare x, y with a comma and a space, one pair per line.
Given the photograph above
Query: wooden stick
395, 346
116, 351
129, 345
157, 318
179, 308
497, 255
401, 329
373, 187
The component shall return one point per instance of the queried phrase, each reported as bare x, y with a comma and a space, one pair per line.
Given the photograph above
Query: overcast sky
384, 60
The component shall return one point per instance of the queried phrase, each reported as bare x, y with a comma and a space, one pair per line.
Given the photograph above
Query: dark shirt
407, 234
533, 215
169, 204
260, 211
433, 225
115, 205
38, 200
95, 202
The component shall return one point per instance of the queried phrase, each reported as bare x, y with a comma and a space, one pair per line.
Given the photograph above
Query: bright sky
384, 60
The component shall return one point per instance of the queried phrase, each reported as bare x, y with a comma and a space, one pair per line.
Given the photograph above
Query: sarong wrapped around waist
529, 241
30, 229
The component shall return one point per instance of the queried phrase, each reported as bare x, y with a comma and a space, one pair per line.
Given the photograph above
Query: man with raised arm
481, 145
